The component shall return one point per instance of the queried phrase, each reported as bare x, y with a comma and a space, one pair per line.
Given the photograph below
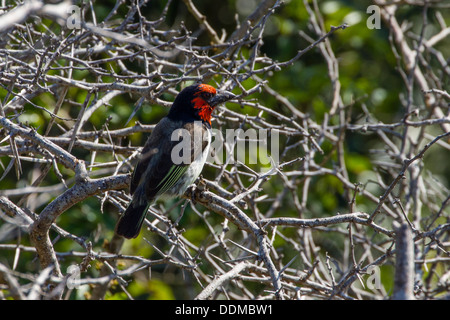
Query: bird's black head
197, 102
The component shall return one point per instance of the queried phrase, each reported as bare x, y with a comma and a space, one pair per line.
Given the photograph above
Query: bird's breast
194, 169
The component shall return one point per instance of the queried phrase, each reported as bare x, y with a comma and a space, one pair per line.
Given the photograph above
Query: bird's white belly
192, 173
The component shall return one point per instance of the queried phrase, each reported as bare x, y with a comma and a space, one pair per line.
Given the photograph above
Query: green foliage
371, 87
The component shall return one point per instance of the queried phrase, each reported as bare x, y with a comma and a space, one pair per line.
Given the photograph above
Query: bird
174, 154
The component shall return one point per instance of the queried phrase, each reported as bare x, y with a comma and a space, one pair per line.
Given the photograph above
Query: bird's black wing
159, 168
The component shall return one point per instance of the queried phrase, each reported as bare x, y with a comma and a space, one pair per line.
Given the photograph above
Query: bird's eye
207, 95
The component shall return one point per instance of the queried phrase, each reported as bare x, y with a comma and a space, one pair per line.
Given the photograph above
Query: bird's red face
198, 101
201, 101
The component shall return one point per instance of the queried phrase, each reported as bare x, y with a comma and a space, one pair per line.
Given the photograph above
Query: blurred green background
369, 78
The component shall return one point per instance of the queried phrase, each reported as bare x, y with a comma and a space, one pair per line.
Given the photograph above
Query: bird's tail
130, 222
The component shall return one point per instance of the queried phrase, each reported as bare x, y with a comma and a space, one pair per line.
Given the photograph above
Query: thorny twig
248, 235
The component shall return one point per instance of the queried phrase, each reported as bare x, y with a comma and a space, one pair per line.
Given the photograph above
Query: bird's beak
220, 97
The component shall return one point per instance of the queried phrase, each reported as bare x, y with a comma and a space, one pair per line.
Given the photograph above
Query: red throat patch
199, 103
